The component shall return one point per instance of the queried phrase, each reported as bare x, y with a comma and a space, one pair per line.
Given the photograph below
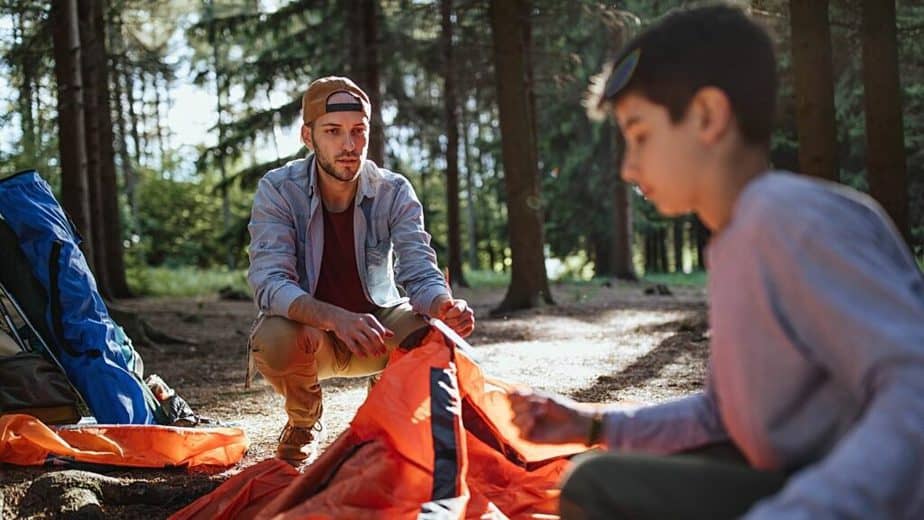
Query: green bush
694, 279
186, 281
487, 278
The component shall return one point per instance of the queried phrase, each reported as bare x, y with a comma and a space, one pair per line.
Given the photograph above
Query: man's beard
330, 167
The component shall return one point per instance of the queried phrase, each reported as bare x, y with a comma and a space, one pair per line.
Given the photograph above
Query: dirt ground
600, 343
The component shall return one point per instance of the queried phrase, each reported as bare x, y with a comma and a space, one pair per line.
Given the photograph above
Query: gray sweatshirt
817, 355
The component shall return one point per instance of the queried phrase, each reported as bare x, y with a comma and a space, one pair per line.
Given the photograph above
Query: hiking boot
298, 444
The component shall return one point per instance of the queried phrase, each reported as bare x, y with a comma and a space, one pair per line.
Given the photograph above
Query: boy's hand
455, 313
550, 419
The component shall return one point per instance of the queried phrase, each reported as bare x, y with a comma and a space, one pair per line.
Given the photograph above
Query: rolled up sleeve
416, 269
272, 274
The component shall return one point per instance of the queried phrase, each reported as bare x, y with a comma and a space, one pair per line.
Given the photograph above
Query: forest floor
599, 343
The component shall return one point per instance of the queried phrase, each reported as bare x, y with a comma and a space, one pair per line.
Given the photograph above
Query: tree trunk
600, 248
219, 153
158, 127
354, 40
470, 213
492, 254
372, 81
623, 265
111, 225
649, 252
26, 94
90, 72
129, 178
144, 152
814, 88
364, 49
702, 238
662, 249
451, 111
885, 151
75, 194
133, 117
678, 244
529, 282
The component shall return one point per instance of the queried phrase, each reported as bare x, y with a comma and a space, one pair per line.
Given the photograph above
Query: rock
71, 494
85, 495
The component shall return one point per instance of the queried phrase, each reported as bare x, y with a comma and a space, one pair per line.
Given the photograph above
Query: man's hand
550, 419
363, 334
455, 313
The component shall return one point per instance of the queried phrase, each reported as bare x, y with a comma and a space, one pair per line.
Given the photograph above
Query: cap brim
620, 76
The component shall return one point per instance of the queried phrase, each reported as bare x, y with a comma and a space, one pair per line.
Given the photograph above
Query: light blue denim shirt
287, 239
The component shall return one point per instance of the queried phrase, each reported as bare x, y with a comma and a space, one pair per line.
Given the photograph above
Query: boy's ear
712, 113
306, 137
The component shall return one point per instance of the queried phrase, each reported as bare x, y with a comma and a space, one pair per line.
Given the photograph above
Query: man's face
340, 141
661, 157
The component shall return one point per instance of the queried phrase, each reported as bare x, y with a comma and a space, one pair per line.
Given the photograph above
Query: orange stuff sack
432, 439
26, 441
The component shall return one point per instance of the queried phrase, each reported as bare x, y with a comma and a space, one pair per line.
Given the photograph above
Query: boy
816, 308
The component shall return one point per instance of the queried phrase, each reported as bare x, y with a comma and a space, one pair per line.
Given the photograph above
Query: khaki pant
294, 357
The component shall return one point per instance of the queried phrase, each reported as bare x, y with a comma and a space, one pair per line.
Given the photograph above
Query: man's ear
712, 113
306, 137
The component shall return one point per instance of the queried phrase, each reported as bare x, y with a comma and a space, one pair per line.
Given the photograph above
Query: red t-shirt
338, 282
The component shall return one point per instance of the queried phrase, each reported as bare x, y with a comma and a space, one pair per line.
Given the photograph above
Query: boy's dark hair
717, 46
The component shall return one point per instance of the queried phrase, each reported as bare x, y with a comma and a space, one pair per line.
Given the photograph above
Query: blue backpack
95, 353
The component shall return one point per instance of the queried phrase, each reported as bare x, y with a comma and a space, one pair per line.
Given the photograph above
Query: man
813, 406
323, 230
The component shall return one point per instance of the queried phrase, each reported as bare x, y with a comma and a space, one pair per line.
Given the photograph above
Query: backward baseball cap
315, 101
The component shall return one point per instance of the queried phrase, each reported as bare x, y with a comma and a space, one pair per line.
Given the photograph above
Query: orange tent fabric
434, 437
26, 441
244, 495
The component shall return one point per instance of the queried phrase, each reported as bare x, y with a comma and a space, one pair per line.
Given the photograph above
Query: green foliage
263, 60
694, 279
179, 224
486, 278
186, 281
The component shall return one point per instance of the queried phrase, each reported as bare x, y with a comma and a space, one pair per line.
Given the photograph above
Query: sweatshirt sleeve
416, 269
666, 428
855, 299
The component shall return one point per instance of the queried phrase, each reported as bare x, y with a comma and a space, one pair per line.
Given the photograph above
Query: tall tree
814, 88
529, 283
885, 151
220, 153
470, 196
678, 224
112, 222
451, 111
365, 57
90, 72
623, 264
372, 79
27, 77
118, 65
75, 191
